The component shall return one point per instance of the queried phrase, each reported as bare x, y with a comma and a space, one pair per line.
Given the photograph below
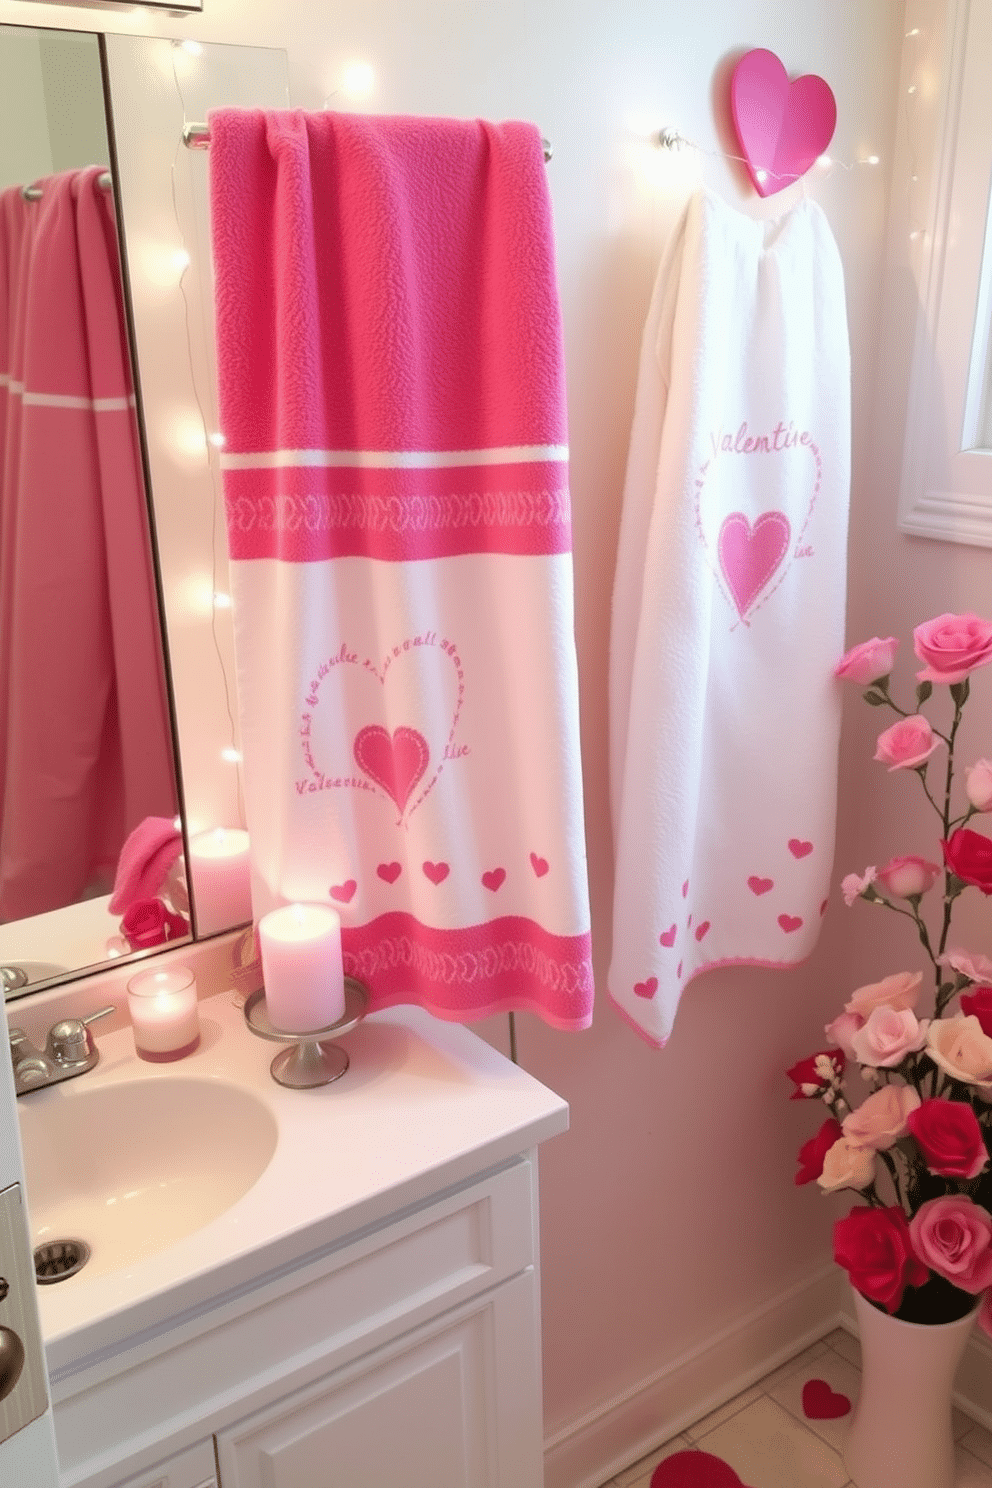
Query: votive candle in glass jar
164, 1013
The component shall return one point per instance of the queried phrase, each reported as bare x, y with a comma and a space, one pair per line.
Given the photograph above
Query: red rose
874, 1247
149, 923
812, 1153
978, 1004
950, 1138
968, 854
805, 1073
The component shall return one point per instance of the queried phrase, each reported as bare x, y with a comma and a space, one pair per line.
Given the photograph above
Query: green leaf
876, 699
923, 691
881, 682
959, 692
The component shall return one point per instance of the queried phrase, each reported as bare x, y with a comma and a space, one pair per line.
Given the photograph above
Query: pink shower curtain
85, 742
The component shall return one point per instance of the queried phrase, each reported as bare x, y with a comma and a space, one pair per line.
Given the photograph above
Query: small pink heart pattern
344, 892
646, 989
759, 886
798, 848
667, 937
540, 865
436, 872
389, 872
790, 923
494, 879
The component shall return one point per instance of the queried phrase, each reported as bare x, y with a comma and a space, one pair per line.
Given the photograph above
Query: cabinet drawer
295, 1327
192, 1469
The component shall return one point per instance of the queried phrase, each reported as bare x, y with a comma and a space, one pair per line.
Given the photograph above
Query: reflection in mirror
90, 847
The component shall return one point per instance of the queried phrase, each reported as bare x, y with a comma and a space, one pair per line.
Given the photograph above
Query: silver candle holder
312, 1060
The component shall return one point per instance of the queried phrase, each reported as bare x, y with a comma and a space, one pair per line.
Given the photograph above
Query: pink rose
881, 1119
963, 1051
869, 662
904, 878
951, 646
887, 1037
839, 1032
975, 967
978, 784
953, 1237
899, 991
847, 1166
907, 743
978, 1004
875, 1249
852, 887
950, 1138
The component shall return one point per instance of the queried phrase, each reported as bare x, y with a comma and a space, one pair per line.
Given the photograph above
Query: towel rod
197, 137
35, 193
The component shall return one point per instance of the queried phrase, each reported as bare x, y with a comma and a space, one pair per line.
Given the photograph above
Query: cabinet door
194, 1468
454, 1405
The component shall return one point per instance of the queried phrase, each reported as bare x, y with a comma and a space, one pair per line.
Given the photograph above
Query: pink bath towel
146, 857
85, 737
392, 397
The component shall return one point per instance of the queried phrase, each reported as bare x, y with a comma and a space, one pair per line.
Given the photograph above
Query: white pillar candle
301, 967
164, 1013
220, 876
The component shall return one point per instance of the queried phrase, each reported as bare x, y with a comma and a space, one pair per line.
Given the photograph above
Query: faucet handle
69, 1041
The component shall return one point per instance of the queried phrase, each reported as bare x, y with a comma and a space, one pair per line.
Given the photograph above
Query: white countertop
424, 1106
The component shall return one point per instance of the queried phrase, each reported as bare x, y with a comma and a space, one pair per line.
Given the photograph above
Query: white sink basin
131, 1168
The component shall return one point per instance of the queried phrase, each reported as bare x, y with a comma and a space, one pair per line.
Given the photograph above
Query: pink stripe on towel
415, 246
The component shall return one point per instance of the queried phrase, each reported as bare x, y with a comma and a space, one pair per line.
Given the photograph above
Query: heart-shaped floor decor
782, 126
695, 1470
820, 1403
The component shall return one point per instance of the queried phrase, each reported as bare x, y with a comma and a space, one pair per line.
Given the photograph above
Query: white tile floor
767, 1440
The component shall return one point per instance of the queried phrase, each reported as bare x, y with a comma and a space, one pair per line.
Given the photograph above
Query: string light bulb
232, 756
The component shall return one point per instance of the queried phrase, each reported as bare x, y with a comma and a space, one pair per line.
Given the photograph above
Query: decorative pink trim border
505, 965
309, 514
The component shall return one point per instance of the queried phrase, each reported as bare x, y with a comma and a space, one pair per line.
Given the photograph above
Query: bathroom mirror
153, 86
86, 739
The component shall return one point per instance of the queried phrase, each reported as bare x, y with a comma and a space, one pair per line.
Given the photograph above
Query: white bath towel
728, 610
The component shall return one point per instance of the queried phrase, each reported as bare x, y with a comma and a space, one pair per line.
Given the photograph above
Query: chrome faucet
69, 1051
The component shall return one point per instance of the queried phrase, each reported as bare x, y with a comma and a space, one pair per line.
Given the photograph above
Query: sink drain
59, 1259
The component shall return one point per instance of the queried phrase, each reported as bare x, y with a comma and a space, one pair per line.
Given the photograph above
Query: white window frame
946, 487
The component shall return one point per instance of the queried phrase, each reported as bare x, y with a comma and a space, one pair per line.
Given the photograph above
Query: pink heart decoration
749, 556
344, 892
790, 923
667, 937
702, 929
395, 762
436, 872
823, 906
646, 989
493, 879
820, 1403
694, 1469
782, 126
390, 872
539, 865
760, 885
685, 889
800, 849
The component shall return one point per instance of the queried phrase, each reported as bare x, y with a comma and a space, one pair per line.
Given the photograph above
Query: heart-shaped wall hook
782, 126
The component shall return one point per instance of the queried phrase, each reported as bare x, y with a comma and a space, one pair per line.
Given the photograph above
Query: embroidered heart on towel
800, 849
693, 1469
646, 989
389, 872
667, 937
790, 923
539, 865
494, 879
760, 885
782, 127
395, 762
343, 892
750, 556
820, 1403
436, 872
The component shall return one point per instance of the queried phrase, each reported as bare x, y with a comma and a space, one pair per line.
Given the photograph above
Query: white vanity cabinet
393, 1340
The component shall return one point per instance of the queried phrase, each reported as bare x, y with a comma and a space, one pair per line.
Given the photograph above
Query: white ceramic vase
901, 1434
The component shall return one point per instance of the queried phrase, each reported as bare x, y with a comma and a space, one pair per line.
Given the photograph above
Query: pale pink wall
668, 1211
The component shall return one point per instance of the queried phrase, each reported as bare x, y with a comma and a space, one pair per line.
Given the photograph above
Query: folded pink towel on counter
396, 482
145, 861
